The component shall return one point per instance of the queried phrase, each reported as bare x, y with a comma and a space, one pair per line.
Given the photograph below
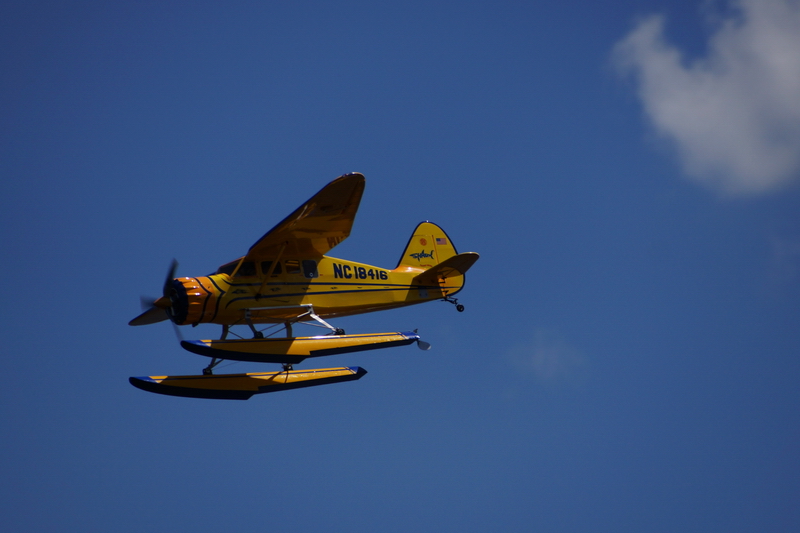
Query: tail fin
428, 246
440, 269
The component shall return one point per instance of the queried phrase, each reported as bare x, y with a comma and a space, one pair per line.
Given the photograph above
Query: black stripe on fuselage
222, 293
205, 300
383, 288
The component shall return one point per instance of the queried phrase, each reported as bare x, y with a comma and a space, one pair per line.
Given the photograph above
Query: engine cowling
192, 300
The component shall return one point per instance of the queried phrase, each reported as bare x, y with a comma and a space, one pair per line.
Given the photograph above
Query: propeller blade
177, 330
155, 309
151, 316
173, 267
147, 302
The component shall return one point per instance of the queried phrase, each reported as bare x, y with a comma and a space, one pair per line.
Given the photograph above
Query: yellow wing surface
315, 227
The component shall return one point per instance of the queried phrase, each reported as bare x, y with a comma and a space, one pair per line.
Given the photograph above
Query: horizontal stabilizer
243, 386
292, 350
454, 266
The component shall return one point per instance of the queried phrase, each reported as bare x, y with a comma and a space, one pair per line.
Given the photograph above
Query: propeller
157, 309
173, 267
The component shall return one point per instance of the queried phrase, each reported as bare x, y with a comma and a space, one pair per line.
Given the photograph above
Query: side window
248, 268
292, 266
310, 268
265, 266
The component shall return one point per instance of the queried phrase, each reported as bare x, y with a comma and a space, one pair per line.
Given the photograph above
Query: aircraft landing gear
454, 301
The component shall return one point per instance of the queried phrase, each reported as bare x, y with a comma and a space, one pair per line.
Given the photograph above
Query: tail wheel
454, 301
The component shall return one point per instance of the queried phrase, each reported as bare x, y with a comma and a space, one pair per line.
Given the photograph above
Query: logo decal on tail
419, 256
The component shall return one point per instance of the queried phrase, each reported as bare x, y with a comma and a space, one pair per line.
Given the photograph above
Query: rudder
428, 246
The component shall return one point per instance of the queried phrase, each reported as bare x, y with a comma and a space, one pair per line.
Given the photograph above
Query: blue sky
628, 171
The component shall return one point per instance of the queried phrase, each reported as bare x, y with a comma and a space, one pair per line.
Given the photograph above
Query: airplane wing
316, 226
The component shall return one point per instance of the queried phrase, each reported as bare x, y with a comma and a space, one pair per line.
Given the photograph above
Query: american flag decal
440, 240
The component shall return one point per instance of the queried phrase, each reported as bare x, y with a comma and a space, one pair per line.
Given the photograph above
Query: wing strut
272, 268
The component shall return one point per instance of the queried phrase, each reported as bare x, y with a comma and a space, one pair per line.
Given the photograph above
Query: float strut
256, 334
209, 370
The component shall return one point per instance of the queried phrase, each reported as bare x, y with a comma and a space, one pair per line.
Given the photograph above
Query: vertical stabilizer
429, 245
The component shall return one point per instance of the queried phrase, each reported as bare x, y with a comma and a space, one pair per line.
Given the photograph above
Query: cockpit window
248, 268
310, 268
292, 266
307, 267
265, 265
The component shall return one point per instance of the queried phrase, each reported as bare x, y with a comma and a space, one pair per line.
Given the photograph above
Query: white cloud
549, 359
734, 115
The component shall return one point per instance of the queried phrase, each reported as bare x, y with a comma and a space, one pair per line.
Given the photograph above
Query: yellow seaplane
286, 279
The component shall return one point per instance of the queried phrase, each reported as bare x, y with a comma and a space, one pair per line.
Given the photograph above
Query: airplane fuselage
274, 292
